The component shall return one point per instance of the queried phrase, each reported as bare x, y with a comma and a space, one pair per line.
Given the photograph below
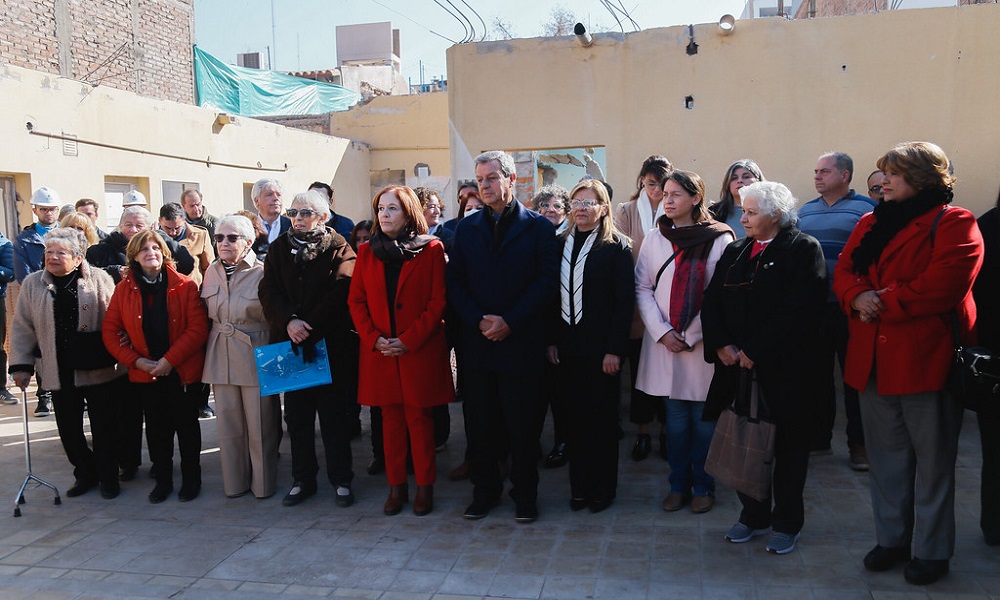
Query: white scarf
646, 218
571, 301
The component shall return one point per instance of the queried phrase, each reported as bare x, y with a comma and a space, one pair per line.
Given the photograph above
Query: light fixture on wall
727, 23
582, 35
225, 119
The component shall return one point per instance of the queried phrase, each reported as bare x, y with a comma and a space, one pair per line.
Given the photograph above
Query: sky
304, 30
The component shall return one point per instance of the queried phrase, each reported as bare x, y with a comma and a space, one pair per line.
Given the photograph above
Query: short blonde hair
81, 222
139, 240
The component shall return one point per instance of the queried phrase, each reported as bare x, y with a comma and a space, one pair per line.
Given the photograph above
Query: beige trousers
248, 431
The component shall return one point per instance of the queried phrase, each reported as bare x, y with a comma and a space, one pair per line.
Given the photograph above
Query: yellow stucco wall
402, 131
155, 128
781, 92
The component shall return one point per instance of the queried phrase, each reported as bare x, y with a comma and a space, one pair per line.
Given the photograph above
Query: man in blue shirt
29, 256
831, 219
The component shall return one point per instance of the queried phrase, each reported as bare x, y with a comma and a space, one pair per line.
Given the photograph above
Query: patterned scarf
687, 290
406, 246
571, 276
307, 246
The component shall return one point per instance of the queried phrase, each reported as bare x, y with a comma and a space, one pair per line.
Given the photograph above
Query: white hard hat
44, 196
134, 198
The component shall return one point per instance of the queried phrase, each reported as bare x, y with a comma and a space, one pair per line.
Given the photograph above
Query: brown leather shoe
702, 504
423, 504
398, 496
674, 502
460, 472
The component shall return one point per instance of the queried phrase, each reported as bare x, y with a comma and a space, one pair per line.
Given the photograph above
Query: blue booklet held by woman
282, 368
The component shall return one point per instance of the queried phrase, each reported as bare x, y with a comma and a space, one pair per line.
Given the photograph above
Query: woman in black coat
760, 312
597, 297
307, 274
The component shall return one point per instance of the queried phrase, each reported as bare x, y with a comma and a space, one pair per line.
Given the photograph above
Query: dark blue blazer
261, 244
516, 277
447, 237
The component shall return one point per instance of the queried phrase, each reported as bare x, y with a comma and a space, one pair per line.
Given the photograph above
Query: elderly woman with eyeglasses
247, 423
56, 333
759, 314
552, 202
307, 275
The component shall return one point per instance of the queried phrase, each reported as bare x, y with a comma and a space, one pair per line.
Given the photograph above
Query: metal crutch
19, 499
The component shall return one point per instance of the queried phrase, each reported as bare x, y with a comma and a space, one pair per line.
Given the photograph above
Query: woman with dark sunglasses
760, 313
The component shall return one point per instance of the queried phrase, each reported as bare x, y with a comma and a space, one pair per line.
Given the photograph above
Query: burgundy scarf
687, 290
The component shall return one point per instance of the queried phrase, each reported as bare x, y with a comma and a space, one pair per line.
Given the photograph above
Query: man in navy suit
266, 196
502, 278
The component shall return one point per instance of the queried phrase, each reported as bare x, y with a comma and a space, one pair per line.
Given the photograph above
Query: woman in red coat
165, 320
904, 276
397, 301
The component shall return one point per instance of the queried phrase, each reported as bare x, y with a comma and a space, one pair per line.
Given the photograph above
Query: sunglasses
232, 237
305, 213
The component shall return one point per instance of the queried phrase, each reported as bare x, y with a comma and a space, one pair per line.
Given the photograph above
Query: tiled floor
245, 548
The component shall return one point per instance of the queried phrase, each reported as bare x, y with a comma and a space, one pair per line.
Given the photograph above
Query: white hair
241, 224
315, 200
263, 184
775, 200
136, 210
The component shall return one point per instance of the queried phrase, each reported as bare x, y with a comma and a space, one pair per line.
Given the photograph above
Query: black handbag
974, 379
742, 451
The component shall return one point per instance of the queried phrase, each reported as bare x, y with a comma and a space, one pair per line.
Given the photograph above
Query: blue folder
282, 370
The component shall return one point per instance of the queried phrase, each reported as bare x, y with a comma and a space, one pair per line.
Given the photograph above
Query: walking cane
19, 499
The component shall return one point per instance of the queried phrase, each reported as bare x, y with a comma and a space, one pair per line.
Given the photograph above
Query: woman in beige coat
248, 424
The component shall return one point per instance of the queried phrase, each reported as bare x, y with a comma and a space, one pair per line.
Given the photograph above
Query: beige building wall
779, 91
122, 137
401, 133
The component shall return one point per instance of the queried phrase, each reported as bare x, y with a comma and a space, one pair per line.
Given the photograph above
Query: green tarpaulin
257, 93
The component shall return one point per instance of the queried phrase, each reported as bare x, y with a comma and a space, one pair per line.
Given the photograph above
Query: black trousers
301, 410
989, 433
99, 464
171, 409
833, 340
128, 424
785, 510
501, 411
643, 408
593, 426
554, 396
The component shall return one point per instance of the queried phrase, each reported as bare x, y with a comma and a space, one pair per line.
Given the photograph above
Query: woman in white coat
675, 265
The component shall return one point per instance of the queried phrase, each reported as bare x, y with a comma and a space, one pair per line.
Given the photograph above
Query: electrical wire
465, 38
626, 13
472, 28
606, 4
482, 37
421, 25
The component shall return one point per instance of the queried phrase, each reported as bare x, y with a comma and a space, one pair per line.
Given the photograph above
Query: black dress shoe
189, 491
557, 457
882, 558
376, 466
921, 571
478, 509
576, 504
298, 492
526, 511
343, 500
127, 473
80, 487
160, 492
110, 490
599, 504
641, 448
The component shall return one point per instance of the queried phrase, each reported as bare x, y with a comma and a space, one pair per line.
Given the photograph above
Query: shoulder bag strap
659, 273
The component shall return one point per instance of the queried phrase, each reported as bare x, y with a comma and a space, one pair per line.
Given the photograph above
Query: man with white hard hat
29, 256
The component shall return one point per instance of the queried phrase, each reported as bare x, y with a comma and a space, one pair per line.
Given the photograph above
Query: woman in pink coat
397, 301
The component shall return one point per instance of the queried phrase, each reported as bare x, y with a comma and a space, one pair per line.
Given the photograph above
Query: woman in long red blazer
154, 298
904, 274
397, 301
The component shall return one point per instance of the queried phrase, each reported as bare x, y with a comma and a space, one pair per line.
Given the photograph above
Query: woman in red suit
903, 278
166, 323
397, 301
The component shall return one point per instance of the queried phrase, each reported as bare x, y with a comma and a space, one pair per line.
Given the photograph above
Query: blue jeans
688, 438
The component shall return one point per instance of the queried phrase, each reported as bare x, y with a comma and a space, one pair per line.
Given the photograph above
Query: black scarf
307, 246
407, 245
155, 321
890, 219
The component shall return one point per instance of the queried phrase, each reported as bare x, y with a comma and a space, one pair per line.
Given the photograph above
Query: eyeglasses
583, 203
305, 213
652, 185
232, 237
875, 189
552, 205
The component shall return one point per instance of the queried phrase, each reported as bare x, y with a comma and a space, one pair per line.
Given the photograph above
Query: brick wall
141, 46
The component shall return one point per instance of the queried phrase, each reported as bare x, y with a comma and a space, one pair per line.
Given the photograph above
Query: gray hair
506, 161
775, 200
67, 237
550, 192
841, 162
241, 224
315, 200
131, 211
263, 184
